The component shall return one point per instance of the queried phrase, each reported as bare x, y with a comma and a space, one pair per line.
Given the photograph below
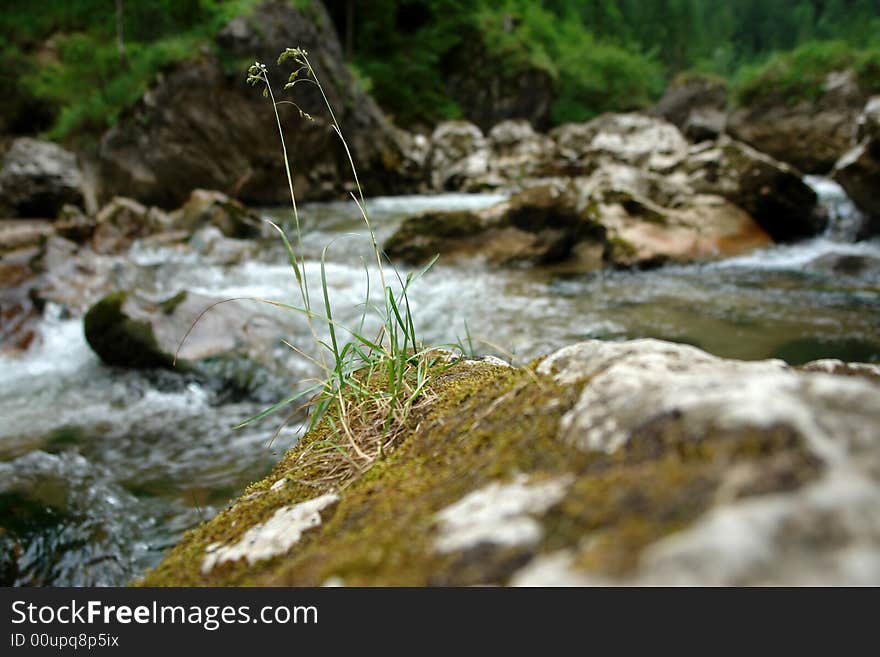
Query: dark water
101, 469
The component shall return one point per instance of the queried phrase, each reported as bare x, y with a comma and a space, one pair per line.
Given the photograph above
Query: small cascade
844, 218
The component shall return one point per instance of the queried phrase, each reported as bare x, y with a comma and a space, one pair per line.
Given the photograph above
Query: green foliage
59, 67
800, 74
63, 58
90, 86
602, 54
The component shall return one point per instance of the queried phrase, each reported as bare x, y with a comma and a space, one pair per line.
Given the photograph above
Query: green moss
421, 237
487, 424
170, 305
121, 340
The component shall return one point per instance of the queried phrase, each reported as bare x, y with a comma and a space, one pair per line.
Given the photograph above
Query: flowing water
101, 470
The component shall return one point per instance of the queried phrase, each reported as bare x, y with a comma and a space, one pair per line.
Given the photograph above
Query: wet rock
518, 152
129, 331
211, 208
74, 224
198, 127
858, 170
608, 219
773, 193
459, 152
847, 264
696, 105
639, 462
37, 178
810, 135
413, 170
538, 226
22, 233
632, 139
65, 523
19, 311
836, 366
215, 247
72, 276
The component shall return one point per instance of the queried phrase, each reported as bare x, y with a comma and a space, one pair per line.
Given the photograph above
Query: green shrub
800, 74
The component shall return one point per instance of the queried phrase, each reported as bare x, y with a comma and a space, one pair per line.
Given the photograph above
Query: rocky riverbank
637, 462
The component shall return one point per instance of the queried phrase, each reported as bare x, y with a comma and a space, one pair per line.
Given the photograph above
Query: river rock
619, 216
22, 233
772, 192
37, 178
517, 151
124, 220
639, 462
632, 139
459, 153
211, 208
199, 127
696, 105
126, 330
858, 171
810, 135
74, 224
19, 311
848, 264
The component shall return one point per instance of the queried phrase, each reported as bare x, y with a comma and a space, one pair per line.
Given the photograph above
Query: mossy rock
422, 237
121, 340
570, 460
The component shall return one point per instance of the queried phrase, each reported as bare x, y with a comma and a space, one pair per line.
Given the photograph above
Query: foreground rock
37, 178
858, 171
198, 127
620, 216
639, 462
810, 135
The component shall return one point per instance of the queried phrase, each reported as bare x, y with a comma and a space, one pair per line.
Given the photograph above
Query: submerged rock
37, 178
641, 462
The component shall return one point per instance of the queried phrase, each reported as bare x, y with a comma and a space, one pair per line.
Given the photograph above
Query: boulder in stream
772, 192
212, 208
619, 216
126, 330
